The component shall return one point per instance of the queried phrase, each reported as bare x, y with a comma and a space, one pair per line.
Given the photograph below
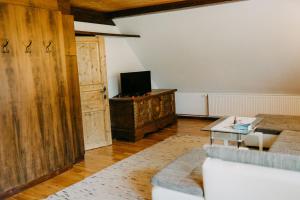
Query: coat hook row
5, 46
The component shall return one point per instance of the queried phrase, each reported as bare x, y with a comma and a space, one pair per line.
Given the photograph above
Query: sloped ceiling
250, 46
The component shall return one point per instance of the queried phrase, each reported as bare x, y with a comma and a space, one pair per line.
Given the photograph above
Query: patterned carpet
130, 178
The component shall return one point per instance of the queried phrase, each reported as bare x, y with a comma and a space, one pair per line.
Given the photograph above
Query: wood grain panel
36, 124
73, 84
124, 121
92, 101
115, 5
75, 105
31, 107
156, 108
55, 70
94, 124
12, 109
46, 82
9, 70
143, 115
90, 72
166, 106
69, 35
49, 4
107, 119
64, 6
11, 166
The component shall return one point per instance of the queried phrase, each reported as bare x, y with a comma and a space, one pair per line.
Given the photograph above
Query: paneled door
93, 91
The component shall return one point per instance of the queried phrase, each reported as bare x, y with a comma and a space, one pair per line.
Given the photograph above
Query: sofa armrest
234, 181
160, 193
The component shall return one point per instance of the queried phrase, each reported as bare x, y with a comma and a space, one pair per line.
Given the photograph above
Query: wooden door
93, 92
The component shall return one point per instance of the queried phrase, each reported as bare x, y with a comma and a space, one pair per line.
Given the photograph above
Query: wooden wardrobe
40, 125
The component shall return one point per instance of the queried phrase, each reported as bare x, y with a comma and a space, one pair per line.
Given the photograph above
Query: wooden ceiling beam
88, 33
91, 16
165, 7
64, 6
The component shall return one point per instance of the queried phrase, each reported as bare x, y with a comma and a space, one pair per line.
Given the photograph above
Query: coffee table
222, 129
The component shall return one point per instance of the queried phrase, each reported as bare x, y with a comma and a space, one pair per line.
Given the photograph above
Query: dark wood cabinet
133, 117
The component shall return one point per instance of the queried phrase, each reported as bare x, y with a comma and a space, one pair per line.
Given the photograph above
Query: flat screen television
135, 83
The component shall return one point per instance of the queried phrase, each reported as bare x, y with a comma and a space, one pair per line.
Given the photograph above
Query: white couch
225, 180
232, 174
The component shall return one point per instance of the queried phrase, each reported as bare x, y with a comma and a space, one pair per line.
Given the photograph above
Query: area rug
130, 179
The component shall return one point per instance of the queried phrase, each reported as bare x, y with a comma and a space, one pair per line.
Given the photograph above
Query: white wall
119, 55
194, 104
249, 46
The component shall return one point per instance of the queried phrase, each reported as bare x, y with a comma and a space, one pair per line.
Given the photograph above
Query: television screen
135, 83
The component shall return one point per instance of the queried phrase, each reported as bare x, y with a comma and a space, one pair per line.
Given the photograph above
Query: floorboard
101, 158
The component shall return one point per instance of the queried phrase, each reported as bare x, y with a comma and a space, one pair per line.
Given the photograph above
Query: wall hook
5, 46
28, 47
48, 46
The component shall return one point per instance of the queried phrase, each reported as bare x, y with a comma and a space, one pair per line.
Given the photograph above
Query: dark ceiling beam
165, 7
88, 33
91, 16
64, 6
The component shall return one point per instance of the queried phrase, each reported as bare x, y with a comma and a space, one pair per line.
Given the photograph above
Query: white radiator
253, 104
194, 104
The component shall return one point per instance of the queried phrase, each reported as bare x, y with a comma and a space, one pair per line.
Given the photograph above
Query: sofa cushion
274, 124
184, 174
265, 159
287, 142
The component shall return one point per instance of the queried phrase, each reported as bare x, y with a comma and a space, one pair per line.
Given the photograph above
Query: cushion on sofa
184, 174
287, 142
266, 159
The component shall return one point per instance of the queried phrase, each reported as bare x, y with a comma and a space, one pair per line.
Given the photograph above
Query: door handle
104, 92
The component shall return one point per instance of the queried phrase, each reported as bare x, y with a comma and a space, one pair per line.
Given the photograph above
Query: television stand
133, 117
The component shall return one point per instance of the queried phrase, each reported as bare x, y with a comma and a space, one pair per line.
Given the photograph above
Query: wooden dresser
133, 117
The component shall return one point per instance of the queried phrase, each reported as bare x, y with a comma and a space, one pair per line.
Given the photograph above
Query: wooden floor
98, 159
